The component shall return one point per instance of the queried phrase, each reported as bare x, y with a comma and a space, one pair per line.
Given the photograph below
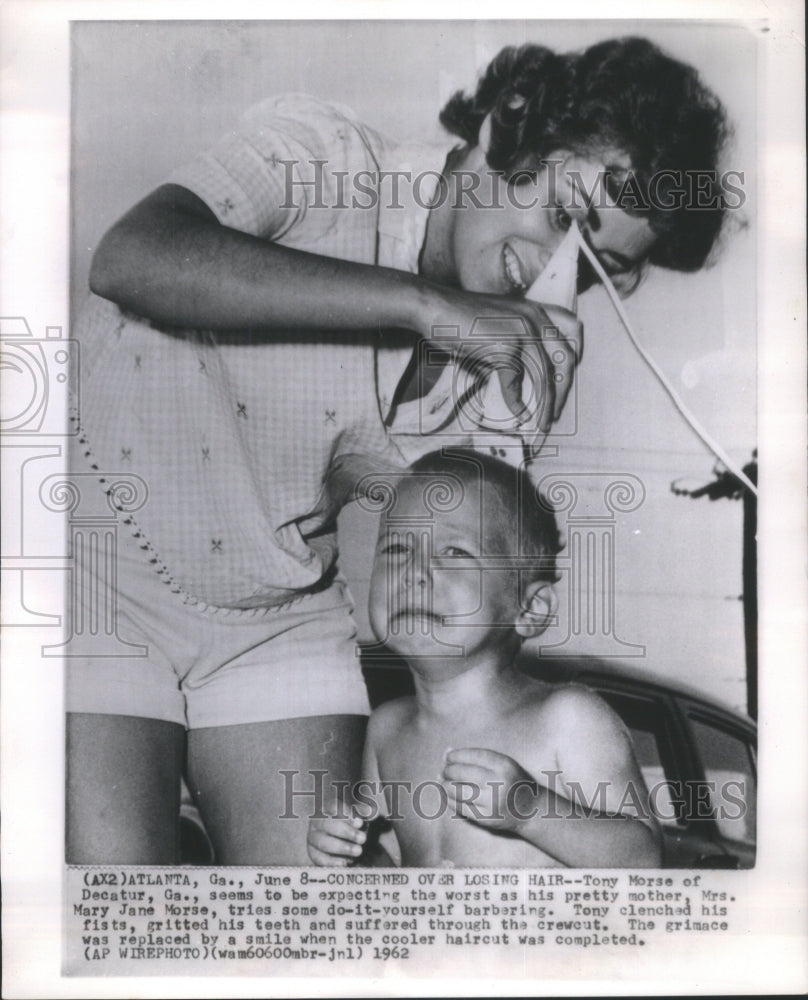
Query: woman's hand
492, 332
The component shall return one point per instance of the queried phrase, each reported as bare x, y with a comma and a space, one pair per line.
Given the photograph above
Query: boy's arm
369, 797
375, 853
589, 806
335, 841
355, 840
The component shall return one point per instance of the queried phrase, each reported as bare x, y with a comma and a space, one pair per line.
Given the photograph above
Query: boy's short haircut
528, 518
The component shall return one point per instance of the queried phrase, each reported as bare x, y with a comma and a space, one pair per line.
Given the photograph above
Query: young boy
490, 766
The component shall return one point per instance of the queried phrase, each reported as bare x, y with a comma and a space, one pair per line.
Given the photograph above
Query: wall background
148, 95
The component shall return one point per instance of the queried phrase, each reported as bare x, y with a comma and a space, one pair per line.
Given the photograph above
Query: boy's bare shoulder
584, 734
571, 707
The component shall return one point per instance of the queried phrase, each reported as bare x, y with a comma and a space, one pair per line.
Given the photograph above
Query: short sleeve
282, 165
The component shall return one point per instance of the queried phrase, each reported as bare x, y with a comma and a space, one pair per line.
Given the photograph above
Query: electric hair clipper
556, 285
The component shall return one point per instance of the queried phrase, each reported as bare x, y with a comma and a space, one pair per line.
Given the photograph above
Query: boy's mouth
512, 268
417, 614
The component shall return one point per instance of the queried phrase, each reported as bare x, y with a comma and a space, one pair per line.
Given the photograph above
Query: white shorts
202, 666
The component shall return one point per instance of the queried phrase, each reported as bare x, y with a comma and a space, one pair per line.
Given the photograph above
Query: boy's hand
488, 787
335, 842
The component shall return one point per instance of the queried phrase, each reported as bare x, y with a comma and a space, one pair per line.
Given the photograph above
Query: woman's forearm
170, 260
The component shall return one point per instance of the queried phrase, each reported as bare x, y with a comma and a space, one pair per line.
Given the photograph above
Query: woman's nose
545, 256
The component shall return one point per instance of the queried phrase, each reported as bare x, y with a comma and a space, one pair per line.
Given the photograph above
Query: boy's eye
563, 219
394, 549
456, 552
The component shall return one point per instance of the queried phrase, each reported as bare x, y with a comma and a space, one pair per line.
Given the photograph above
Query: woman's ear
538, 609
484, 135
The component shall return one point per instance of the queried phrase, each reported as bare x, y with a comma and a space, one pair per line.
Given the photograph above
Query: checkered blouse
234, 438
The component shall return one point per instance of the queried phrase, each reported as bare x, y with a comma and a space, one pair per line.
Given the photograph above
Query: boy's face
502, 250
431, 587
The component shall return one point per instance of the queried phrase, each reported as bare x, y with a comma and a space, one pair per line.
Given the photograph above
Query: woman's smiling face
502, 234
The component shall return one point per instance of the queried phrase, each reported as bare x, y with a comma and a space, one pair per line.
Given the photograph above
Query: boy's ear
538, 609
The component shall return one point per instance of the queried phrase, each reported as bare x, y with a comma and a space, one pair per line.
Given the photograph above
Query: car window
728, 762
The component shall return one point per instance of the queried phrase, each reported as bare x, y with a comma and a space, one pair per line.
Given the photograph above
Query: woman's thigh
257, 784
123, 789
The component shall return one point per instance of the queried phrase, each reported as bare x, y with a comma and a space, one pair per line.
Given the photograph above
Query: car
697, 755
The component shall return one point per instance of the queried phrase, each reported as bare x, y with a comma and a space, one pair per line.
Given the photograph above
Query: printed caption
140, 921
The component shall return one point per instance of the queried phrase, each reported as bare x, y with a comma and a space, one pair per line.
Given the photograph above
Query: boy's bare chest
417, 751
429, 827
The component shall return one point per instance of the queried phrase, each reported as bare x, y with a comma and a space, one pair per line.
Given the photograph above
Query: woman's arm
169, 259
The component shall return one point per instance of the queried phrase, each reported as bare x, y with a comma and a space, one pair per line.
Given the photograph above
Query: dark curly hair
623, 94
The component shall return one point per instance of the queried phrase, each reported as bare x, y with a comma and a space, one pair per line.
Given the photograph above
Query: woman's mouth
513, 269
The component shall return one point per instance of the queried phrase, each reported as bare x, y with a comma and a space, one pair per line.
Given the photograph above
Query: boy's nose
416, 572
